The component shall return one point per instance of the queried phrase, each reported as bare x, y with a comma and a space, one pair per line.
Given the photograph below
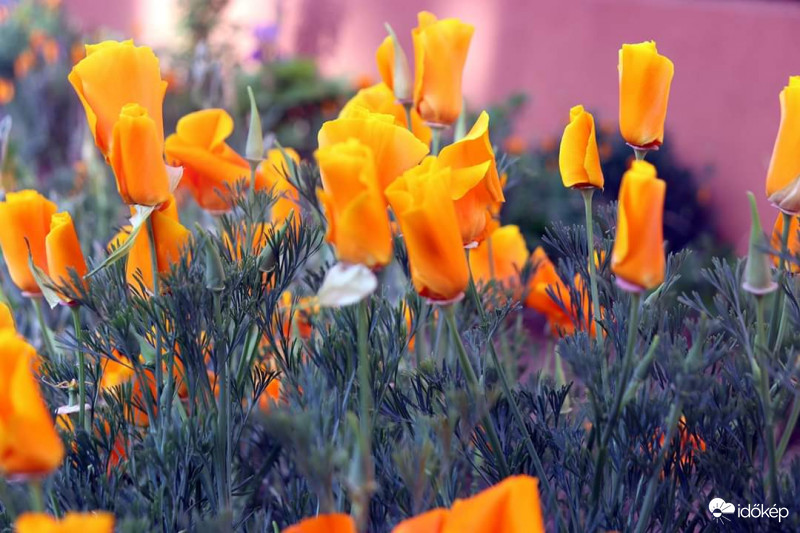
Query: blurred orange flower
638, 255
6, 318
29, 443
352, 201
644, 81
326, 523
92, 522
501, 257
440, 52
792, 244
511, 506
24, 62
7, 91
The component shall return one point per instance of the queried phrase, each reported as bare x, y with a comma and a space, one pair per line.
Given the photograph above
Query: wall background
732, 58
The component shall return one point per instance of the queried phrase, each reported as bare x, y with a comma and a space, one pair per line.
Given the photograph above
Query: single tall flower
638, 255
440, 52
394, 148
421, 200
784, 166
122, 93
25, 221
353, 201
578, 158
211, 168
644, 80
475, 186
29, 443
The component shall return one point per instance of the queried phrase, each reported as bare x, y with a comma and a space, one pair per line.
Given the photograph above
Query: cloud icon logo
719, 507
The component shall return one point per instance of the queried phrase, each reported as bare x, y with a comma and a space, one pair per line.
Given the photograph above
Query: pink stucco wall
732, 57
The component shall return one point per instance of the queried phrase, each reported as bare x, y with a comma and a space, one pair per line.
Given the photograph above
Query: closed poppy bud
112, 75
757, 271
422, 204
25, 221
501, 257
638, 255
6, 318
792, 243
326, 523
352, 201
29, 444
578, 158
393, 67
380, 99
72, 522
211, 168
137, 158
475, 184
644, 80
64, 250
440, 51
272, 176
394, 148
784, 166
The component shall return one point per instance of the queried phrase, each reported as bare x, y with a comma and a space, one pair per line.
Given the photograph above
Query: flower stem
365, 415
436, 140
35, 491
587, 194
83, 421
639, 153
766, 401
472, 380
779, 314
47, 336
407, 106
156, 291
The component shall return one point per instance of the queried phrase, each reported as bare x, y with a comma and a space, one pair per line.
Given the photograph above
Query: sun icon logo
719, 508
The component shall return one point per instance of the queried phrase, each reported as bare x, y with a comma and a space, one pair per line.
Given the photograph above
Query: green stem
766, 401
779, 307
472, 380
47, 336
627, 361
365, 414
223, 414
83, 420
407, 106
650, 495
36, 497
436, 139
789, 429
639, 153
158, 372
587, 194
